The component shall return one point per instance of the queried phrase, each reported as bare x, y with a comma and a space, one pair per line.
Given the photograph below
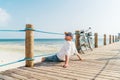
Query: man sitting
65, 53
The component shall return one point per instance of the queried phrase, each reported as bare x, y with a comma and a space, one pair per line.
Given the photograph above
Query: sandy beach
11, 53
10, 56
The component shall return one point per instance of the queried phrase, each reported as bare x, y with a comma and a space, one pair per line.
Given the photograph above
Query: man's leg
52, 58
49, 58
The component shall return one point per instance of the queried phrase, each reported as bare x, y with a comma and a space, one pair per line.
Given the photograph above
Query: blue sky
59, 16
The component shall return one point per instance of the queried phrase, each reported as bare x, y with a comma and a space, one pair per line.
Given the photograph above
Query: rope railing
12, 30
36, 30
30, 40
32, 30
6, 64
24, 59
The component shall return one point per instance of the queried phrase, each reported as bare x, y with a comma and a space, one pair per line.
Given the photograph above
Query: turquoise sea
41, 45
38, 42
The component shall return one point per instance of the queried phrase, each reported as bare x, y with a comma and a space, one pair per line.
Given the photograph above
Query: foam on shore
11, 53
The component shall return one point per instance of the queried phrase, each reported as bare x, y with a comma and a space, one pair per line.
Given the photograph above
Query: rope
12, 62
48, 32
12, 30
32, 30
29, 29
43, 31
21, 60
35, 31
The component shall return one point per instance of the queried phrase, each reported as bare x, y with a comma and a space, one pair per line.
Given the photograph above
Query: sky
103, 16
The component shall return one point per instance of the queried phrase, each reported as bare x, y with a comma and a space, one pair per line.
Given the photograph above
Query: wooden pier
102, 63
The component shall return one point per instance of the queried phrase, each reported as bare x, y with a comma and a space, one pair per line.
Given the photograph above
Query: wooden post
104, 39
116, 38
96, 40
29, 46
110, 39
77, 41
113, 38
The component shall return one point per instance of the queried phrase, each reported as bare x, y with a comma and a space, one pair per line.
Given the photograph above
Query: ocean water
41, 45
37, 41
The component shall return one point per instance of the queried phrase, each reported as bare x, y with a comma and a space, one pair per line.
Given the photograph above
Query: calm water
38, 42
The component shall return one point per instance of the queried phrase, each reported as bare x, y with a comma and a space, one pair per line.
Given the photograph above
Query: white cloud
4, 16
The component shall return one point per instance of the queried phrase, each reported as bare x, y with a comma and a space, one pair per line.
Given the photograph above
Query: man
65, 53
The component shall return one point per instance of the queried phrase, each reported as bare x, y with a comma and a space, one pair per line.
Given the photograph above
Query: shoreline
11, 53
9, 56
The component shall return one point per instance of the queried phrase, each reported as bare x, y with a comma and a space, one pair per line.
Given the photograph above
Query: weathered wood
104, 39
96, 40
113, 39
4, 77
100, 64
77, 40
110, 39
62, 75
31, 75
29, 45
116, 38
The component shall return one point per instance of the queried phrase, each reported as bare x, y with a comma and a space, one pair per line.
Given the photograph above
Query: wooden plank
101, 64
65, 76
4, 77
13, 75
31, 75
76, 71
46, 75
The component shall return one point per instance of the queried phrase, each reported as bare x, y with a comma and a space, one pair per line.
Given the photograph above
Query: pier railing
29, 43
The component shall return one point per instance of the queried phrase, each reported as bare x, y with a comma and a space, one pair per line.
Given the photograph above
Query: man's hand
66, 61
79, 57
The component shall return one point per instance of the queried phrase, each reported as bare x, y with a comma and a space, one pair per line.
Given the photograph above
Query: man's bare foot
65, 66
81, 59
43, 59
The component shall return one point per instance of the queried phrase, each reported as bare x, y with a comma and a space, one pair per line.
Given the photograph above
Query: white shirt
68, 49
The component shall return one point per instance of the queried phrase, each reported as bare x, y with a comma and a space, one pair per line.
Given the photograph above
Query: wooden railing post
104, 39
77, 40
113, 38
29, 46
116, 38
96, 40
110, 39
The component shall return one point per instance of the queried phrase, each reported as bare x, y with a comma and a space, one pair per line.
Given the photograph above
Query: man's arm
66, 61
78, 55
